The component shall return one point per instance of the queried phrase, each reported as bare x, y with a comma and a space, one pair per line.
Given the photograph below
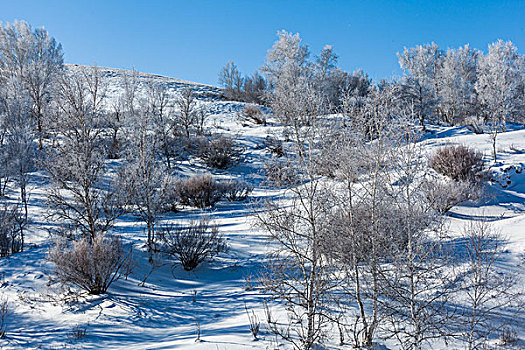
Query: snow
163, 313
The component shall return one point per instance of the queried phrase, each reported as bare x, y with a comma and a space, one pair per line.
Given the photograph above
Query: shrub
255, 323
508, 336
457, 162
90, 265
443, 195
11, 231
235, 190
171, 198
78, 332
199, 191
274, 145
4, 310
219, 153
279, 174
194, 243
255, 114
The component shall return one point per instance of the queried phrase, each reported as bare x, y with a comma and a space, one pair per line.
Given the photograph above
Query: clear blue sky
193, 39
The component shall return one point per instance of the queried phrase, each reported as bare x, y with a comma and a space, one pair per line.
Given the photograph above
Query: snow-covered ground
163, 313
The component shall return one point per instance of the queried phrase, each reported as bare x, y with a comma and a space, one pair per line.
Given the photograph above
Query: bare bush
487, 290
443, 195
200, 191
457, 162
236, 191
12, 223
219, 152
78, 332
92, 265
280, 174
255, 323
254, 114
4, 311
508, 336
274, 145
193, 243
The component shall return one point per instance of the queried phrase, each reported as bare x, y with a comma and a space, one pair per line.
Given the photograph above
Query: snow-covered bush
193, 243
92, 265
200, 191
235, 190
219, 152
457, 162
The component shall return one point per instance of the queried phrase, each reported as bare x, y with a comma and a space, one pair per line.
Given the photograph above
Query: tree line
361, 243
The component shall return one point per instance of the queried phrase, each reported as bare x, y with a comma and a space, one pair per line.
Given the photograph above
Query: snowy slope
164, 312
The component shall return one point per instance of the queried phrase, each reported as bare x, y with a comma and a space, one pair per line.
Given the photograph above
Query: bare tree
419, 282
361, 229
4, 311
187, 114
12, 224
231, 80
486, 290
299, 275
163, 121
147, 181
81, 197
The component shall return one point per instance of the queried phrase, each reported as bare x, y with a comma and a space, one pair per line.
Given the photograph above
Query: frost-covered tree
487, 292
500, 81
298, 273
456, 80
19, 135
288, 75
121, 108
145, 179
81, 197
500, 86
163, 120
418, 281
36, 59
362, 224
422, 64
326, 62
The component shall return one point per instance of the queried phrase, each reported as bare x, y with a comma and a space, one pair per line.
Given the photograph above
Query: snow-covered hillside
164, 308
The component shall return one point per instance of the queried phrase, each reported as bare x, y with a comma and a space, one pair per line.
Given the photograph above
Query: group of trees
30, 60
59, 120
459, 84
359, 235
289, 66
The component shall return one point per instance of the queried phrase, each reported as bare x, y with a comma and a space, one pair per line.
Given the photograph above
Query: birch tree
500, 86
81, 197
36, 59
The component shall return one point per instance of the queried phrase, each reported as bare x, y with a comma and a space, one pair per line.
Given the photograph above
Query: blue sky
193, 39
